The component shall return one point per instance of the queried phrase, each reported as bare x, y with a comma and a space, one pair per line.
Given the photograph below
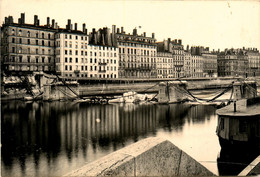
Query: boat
239, 124
82, 100
28, 98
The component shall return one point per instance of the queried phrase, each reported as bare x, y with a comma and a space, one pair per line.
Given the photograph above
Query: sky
215, 24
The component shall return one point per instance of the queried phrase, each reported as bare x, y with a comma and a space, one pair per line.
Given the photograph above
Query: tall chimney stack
52, 23
153, 35
68, 27
144, 34
113, 29
76, 26
35, 20
48, 21
122, 30
84, 28
22, 18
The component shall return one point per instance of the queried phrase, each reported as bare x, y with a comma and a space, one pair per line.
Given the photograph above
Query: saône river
54, 138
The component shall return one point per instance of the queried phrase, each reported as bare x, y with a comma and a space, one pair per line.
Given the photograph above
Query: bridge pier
59, 91
246, 89
172, 92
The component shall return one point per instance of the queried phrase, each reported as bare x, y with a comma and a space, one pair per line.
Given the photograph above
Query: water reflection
53, 138
235, 159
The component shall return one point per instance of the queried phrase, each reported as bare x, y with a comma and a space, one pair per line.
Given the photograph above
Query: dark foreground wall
148, 157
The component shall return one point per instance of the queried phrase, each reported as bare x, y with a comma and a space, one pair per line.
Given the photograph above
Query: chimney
175, 41
84, 28
153, 36
52, 23
22, 18
188, 48
179, 42
35, 20
135, 32
38, 22
19, 21
76, 26
68, 27
113, 29
117, 30
144, 34
56, 25
48, 21
122, 30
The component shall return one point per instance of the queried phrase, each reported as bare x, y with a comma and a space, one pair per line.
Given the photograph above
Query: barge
239, 125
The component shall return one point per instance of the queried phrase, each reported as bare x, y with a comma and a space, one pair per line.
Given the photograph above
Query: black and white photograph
130, 88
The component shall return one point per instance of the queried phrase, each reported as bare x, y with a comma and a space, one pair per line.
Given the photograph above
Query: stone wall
148, 157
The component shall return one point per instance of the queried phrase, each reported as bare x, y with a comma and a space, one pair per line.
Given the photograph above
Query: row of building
106, 53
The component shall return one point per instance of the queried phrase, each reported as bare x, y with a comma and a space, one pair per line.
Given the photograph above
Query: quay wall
148, 157
253, 169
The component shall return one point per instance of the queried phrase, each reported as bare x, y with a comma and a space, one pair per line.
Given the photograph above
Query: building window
49, 43
76, 59
49, 59
20, 50
28, 59
70, 36
37, 60
13, 31
66, 44
37, 35
37, 51
66, 52
49, 36
70, 68
76, 52
43, 35
70, 52
70, 60
66, 67
28, 41
43, 59
36, 42
20, 59
13, 49
42, 43
20, 40
43, 51
66, 59
66, 36
29, 51
86, 68
76, 37
20, 32
13, 40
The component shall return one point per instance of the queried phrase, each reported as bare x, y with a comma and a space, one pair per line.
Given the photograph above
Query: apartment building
174, 47
210, 64
137, 55
253, 61
27, 47
165, 65
233, 62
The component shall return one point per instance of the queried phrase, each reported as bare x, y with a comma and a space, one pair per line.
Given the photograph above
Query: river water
54, 138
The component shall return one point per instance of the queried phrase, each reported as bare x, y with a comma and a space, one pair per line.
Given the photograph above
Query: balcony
102, 71
76, 71
102, 63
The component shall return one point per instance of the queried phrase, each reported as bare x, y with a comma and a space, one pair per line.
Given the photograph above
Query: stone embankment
148, 157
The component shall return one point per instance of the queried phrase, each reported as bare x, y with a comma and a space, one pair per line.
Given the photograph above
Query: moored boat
239, 124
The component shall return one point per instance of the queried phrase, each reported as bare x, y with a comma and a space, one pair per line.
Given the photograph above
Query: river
54, 138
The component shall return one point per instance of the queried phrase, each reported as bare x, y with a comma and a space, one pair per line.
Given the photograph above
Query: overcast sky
216, 24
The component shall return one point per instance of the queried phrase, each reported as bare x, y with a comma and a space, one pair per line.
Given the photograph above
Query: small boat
82, 100
28, 98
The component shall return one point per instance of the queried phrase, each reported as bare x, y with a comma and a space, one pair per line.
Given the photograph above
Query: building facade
175, 48
233, 62
165, 65
27, 48
210, 65
137, 55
